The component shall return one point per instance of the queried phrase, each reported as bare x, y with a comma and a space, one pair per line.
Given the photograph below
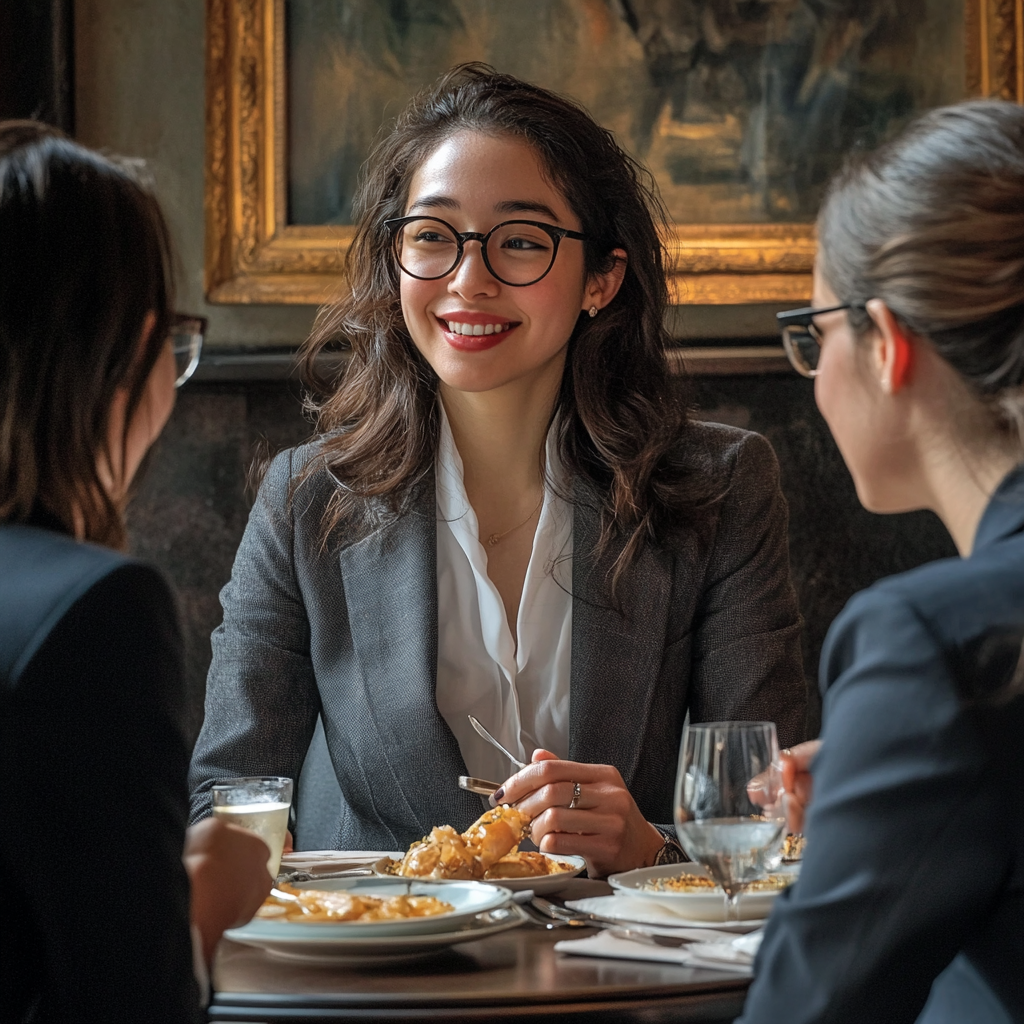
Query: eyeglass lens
803, 348
187, 340
517, 253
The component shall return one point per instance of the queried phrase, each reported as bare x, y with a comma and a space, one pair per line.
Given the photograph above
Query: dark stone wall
191, 507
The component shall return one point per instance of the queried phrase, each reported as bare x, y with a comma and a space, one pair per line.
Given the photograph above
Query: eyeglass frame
554, 232
195, 347
805, 318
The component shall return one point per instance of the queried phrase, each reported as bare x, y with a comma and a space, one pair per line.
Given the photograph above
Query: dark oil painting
742, 109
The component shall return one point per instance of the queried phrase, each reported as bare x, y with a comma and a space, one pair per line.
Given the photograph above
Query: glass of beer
260, 805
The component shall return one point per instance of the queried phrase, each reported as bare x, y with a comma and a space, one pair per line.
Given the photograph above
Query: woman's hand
797, 781
605, 827
227, 870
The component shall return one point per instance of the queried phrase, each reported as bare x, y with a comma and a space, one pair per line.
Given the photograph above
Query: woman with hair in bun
506, 511
910, 901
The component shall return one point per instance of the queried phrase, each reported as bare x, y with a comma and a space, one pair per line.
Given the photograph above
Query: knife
481, 786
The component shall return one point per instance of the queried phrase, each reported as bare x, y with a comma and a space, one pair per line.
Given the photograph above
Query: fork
484, 734
315, 876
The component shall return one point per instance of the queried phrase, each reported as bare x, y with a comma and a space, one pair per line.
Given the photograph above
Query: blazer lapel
413, 760
616, 657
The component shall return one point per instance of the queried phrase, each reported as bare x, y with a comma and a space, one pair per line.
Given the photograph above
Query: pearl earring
592, 311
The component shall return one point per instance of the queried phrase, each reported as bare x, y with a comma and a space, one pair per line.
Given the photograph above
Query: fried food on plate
491, 840
793, 847
690, 883
317, 906
526, 864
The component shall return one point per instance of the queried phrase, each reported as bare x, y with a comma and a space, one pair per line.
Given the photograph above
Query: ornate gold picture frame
254, 256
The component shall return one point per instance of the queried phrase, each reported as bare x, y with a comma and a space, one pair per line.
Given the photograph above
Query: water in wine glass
728, 807
736, 851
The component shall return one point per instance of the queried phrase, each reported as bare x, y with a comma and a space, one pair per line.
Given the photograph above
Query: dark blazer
911, 896
93, 758
709, 625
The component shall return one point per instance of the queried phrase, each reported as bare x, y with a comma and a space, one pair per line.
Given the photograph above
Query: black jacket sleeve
908, 833
94, 766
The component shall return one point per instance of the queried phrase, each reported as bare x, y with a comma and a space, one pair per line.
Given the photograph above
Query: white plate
364, 952
540, 884
629, 910
468, 899
696, 906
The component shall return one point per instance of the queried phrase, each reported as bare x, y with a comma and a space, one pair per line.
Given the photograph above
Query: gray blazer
348, 632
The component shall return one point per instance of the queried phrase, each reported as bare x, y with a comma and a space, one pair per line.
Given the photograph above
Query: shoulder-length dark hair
617, 414
84, 257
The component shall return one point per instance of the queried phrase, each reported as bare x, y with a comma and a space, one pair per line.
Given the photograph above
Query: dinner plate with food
369, 918
488, 851
689, 891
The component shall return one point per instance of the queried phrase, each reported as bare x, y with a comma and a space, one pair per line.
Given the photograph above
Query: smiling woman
506, 511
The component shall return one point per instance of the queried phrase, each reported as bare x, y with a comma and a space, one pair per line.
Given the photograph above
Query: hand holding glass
728, 806
260, 805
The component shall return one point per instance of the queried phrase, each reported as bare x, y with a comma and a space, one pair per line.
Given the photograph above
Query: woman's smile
470, 331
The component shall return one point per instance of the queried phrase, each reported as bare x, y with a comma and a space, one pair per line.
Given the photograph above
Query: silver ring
575, 796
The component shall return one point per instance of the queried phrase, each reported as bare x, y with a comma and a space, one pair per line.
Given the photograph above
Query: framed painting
742, 109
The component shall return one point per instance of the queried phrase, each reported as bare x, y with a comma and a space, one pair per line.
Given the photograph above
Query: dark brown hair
933, 224
84, 257
618, 418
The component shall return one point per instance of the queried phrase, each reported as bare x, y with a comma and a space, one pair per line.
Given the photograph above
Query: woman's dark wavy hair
84, 257
618, 417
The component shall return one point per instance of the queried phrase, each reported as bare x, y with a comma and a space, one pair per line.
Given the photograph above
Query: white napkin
332, 860
734, 955
635, 910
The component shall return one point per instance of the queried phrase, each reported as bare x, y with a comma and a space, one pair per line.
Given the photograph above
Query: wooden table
516, 975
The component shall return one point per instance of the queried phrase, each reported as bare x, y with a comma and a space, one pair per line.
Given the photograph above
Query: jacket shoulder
957, 598
963, 611
296, 492
45, 574
718, 445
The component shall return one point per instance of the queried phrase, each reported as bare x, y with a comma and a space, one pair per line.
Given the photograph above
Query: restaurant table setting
462, 926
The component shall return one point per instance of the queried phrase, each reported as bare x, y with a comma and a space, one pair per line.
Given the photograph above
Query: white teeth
475, 329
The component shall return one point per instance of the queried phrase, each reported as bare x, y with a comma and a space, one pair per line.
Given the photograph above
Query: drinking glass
728, 805
260, 805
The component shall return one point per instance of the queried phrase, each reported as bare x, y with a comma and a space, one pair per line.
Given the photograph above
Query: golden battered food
793, 847
447, 854
688, 883
316, 906
525, 864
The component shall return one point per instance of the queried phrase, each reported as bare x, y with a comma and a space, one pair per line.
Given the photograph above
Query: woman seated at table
96, 906
910, 902
506, 511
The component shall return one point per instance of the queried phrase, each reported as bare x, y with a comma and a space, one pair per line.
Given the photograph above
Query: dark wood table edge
723, 998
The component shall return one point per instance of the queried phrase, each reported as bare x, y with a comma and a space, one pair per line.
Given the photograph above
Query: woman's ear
892, 348
602, 288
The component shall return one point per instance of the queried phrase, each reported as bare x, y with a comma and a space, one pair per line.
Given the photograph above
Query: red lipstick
460, 328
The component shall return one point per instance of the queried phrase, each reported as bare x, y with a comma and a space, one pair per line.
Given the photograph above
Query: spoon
484, 734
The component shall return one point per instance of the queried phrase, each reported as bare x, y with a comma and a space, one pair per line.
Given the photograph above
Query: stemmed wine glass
728, 806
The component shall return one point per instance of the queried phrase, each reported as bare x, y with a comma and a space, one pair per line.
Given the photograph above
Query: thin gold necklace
495, 537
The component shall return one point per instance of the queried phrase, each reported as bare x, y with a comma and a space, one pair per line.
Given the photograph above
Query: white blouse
521, 696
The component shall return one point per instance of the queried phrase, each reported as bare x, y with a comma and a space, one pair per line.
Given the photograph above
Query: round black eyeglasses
516, 252
186, 336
